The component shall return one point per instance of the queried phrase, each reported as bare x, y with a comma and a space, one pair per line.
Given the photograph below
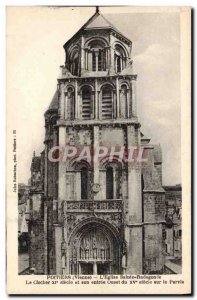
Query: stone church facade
106, 216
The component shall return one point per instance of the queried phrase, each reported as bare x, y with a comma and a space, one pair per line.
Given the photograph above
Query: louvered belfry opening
107, 102
86, 103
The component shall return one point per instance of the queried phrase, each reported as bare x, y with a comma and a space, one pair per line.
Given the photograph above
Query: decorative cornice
106, 77
162, 222
108, 123
160, 191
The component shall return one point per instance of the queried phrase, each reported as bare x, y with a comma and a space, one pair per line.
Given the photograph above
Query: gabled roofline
111, 27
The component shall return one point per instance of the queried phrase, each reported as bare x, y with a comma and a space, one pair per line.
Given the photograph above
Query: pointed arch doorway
94, 251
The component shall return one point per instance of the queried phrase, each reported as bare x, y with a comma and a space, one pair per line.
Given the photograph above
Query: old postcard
98, 150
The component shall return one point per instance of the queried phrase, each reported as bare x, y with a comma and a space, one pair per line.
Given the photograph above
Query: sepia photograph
98, 165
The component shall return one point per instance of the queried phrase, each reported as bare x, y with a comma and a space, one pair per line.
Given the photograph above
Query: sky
35, 38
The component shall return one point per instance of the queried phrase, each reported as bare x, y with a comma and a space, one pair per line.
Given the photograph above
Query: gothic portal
94, 249
106, 216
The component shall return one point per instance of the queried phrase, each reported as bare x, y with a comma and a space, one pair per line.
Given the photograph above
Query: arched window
70, 103
74, 62
120, 58
114, 180
123, 101
98, 51
107, 107
84, 183
109, 183
86, 103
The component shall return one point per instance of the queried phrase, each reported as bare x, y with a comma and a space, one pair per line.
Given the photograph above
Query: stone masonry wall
153, 249
36, 253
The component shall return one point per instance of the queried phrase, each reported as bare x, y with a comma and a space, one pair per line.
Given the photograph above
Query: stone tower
101, 216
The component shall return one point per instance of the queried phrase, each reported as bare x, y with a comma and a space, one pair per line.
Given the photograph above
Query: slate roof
97, 21
54, 103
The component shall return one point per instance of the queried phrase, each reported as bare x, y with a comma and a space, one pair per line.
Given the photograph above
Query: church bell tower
100, 216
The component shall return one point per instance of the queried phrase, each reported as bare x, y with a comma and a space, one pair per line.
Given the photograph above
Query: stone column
115, 185
128, 104
96, 56
103, 184
86, 59
79, 105
96, 163
90, 60
66, 107
62, 165
94, 268
108, 58
63, 265
133, 98
62, 99
99, 105
96, 115
133, 230
82, 54
134, 179
134, 194
76, 101
112, 58
114, 104
133, 238
78, 184
58, 254
79, 268
46, 169
45, 238
117, 99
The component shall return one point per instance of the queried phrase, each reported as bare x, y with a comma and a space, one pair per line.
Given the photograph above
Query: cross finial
97, 9
34, 154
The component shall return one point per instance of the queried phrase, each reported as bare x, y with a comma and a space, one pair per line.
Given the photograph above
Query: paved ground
23, 262
174, 264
